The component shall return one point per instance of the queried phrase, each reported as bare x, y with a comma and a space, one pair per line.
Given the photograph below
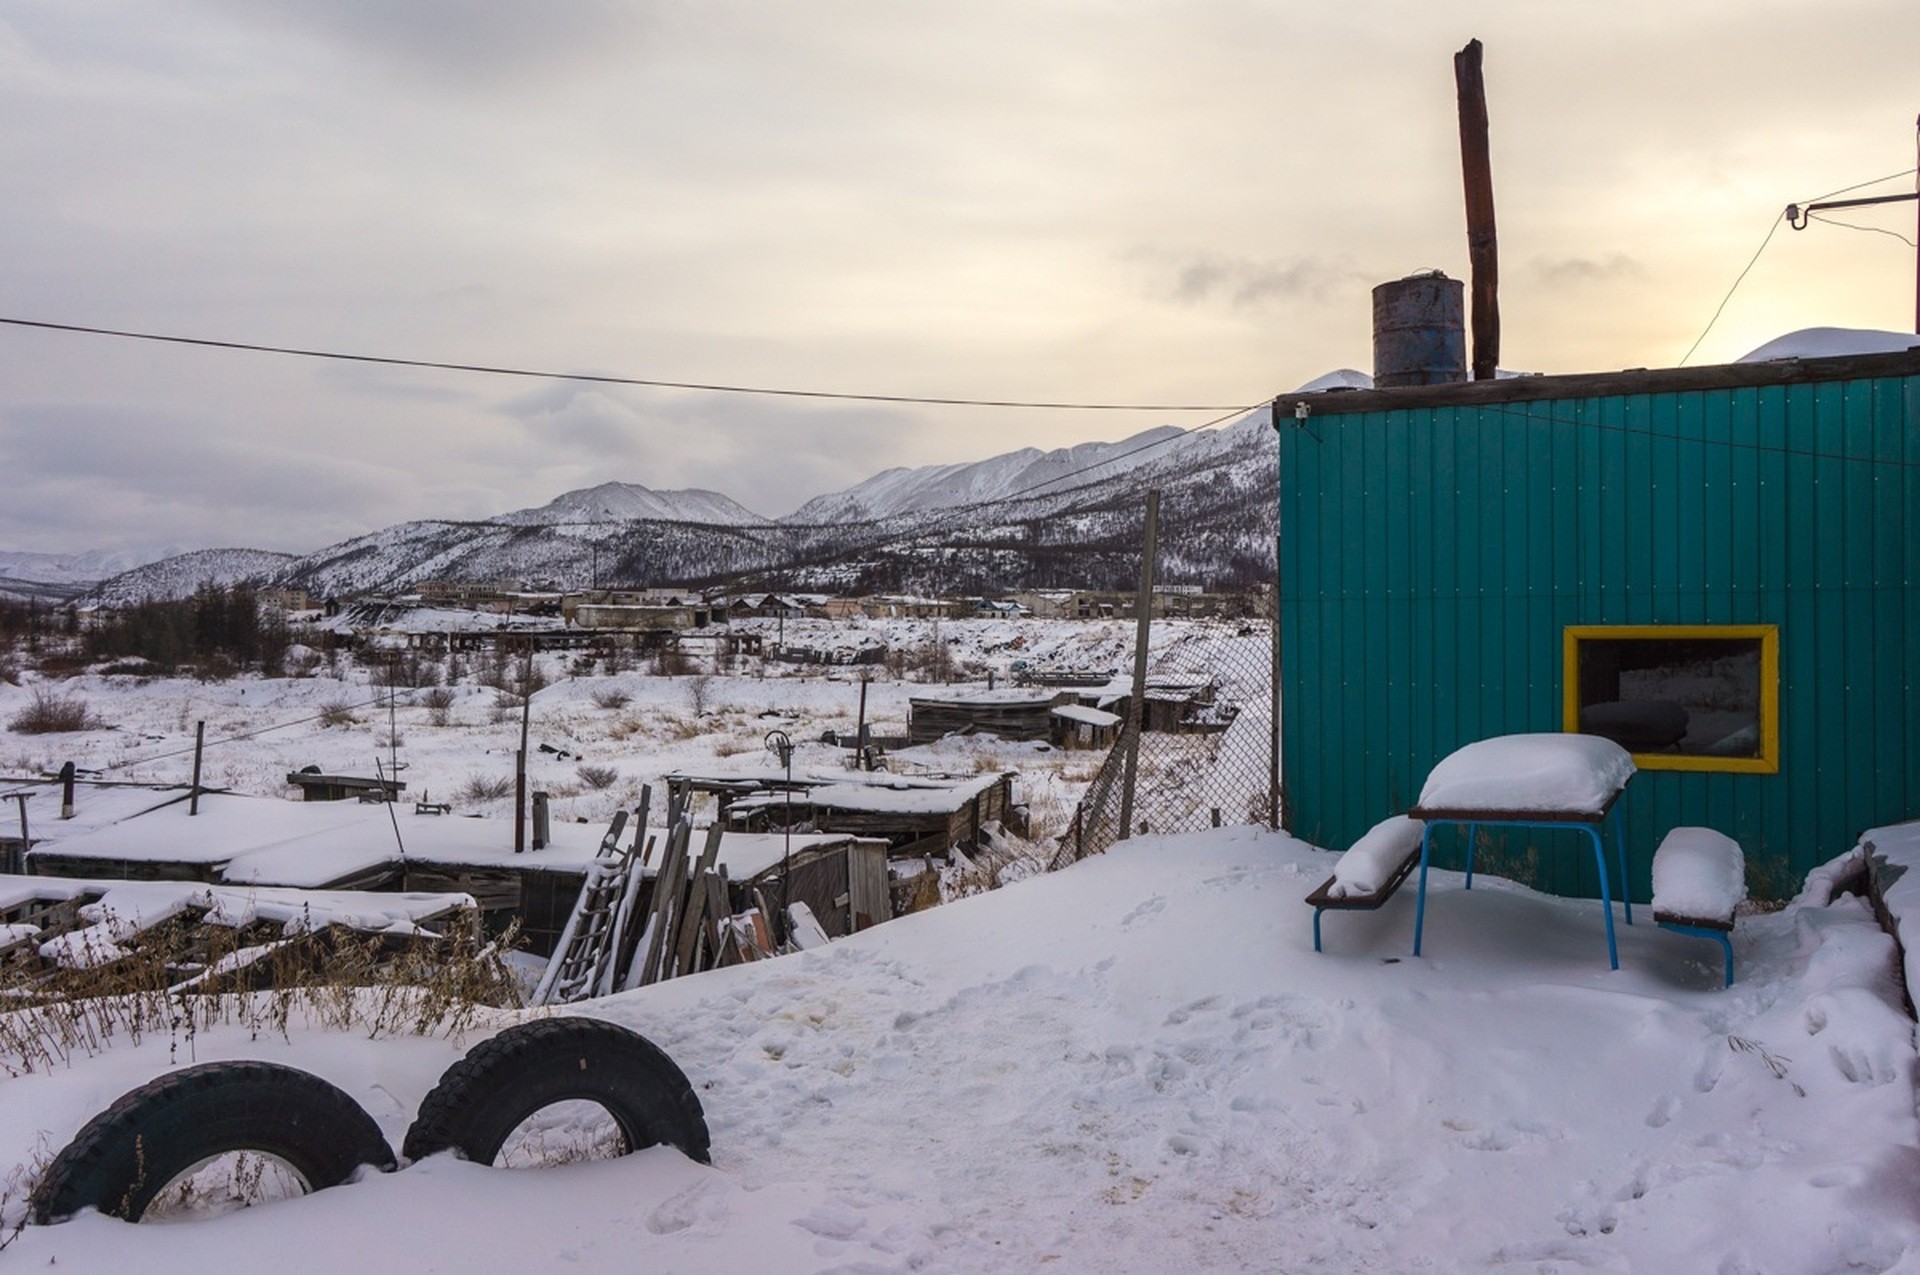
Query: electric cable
596, 378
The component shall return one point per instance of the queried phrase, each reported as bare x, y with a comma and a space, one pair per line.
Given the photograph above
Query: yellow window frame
1767, 763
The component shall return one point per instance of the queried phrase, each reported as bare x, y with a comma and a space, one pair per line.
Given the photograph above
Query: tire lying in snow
133, 1150
485, 1096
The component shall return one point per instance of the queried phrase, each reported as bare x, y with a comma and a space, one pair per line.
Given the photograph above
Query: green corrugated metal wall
1430, 559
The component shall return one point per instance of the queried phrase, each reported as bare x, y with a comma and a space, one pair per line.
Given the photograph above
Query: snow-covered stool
1699, 878
1370, 871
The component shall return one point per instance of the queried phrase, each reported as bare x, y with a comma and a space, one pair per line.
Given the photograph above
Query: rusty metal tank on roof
1419, 331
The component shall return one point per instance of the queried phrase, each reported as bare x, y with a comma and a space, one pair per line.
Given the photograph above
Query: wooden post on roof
1476, 170
1916, 234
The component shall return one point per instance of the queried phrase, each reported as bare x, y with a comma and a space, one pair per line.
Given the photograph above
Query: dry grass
327, 979
612, 698
337, 712
50, 713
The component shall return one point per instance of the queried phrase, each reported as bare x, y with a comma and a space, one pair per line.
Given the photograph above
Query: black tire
503, 1080
125, 1155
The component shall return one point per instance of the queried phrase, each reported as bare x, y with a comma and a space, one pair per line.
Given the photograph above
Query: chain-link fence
1201, 730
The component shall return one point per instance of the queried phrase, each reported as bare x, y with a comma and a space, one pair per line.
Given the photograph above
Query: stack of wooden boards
628, 930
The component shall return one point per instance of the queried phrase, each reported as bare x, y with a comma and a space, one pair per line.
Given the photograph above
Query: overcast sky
1117, 201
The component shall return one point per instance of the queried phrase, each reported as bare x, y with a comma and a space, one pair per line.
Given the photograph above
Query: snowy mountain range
1071, 517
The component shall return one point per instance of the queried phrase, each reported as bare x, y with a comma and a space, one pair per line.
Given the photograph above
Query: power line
1849, 225
596, 379
1748, 268
1721, 308
331, 710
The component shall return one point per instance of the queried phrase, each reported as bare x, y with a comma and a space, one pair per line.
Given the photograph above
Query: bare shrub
598, 777
438, 701
9, 670
50, 713
484, 788
700, 693
612, 698
337, 712
730, 748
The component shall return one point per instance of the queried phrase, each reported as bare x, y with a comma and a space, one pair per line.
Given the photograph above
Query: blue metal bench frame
1589, 821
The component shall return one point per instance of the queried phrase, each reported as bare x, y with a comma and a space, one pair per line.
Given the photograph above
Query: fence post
1143, 615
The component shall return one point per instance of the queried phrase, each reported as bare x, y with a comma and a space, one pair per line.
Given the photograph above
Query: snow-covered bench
1699, 878
1367, 874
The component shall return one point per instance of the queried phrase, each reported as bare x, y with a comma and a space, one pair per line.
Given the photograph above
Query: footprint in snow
1663, 1111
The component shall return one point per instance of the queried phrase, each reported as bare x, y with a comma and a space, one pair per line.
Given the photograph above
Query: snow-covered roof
271, 841
1091, 716
893, 799
1826, 343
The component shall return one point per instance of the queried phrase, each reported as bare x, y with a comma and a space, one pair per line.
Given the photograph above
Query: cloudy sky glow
1173, 202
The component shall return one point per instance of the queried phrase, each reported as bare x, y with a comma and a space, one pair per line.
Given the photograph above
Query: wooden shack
913, 816
1077, 726
315, 786
1010, 714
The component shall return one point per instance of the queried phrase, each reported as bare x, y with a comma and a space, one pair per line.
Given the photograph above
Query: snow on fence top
1698, 873
1544, 772
1367, 864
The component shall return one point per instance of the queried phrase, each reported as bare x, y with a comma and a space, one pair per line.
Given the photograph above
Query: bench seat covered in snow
1699, 879
1370, 871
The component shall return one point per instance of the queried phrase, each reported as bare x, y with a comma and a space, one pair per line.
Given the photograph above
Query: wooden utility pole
1476, 171
199, 747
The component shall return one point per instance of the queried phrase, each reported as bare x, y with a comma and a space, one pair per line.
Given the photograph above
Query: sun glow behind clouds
1028, 200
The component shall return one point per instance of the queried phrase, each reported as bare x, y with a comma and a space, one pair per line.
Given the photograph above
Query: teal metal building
1719, 567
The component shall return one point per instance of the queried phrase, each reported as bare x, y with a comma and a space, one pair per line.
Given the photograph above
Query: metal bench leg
1606, 897
1620, 848
1420, 909
1473, 843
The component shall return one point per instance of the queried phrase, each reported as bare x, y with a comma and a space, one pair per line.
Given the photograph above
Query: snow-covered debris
1367, 864
1541, 772
1698, 873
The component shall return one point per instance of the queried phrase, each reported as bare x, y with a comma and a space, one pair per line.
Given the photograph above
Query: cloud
1567, 271
1207, 279
461, 43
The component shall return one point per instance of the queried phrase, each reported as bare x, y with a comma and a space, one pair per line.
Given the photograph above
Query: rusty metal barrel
1419, 331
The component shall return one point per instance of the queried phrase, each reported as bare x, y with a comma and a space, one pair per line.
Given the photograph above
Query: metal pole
520, 760
860, 728
1276, 813
199, 745
1143, 624
1916, 235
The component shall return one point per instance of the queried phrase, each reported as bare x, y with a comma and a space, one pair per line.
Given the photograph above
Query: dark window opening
1689, 696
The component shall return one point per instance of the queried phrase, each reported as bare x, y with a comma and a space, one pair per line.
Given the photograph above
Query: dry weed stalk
185, 978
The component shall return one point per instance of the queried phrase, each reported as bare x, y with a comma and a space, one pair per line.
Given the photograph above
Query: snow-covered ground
1135, 1064
1140, 1064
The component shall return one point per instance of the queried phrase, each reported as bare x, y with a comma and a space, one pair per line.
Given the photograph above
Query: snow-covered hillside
905, 491
59, 577
178, 576
612, 502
